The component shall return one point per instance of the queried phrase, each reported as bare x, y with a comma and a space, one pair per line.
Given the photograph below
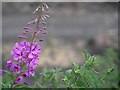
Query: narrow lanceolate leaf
86, 55
21, 86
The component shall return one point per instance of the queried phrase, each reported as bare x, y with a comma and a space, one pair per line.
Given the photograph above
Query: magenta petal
32, 48
30, 55
16, 57
22, 43
38, 47
16, 45
24, 59
9, 61
18, 52
27, 49
28, 44
19, 80
12, 52
32, 72
26, 83
35, 52
17, 72
25, 74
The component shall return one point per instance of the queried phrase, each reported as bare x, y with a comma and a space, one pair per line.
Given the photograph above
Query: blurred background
72, 27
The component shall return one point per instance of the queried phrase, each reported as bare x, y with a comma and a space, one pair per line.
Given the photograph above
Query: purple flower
26, 74
34, 62
16, 69
31, 71
13, 67
22, 49
10, 65
27, 53
19, 80
35, 50
17, 51
27, 83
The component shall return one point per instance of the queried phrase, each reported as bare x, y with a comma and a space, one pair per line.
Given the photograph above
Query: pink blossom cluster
25, 56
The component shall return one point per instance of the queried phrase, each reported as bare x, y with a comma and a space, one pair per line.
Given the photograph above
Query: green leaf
86, 55
21, 86
110, 70
76, 68
7, 80
68, 74
69, 71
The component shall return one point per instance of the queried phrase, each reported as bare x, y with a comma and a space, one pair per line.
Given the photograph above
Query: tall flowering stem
37, 26
26, 53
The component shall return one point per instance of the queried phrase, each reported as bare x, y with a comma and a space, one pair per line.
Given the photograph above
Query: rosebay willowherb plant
25, 57
26, 53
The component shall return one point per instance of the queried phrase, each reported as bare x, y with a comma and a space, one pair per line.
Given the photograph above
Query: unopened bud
20, 36
41, 39
37, 9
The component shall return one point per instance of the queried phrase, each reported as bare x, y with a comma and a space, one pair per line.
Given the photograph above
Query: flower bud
43, 9
44, 28
47, 15
36, 20
44, 33
29, 22
27, 28
42, 18
20, 36
37, 9
41, 39
43, 23
27, 83
24, 32
46, 6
